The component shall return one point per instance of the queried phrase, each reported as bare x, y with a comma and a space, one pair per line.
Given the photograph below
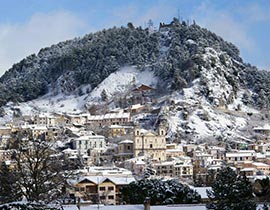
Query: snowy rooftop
89, 137
126, 142
239, 155
266, 127
136, 106
249, 169
109, 116
45, 115
107, 171
260, 164
124, 180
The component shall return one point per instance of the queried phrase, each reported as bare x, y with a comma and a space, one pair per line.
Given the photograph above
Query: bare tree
38, 172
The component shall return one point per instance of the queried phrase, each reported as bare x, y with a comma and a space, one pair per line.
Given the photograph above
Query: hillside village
112, 148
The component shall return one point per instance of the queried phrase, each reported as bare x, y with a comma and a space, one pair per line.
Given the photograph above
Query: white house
84, 144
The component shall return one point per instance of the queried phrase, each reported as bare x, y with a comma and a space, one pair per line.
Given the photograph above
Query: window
102, 188
110, 197
138, 133
128, 147
151, 146
102, 197
110, 188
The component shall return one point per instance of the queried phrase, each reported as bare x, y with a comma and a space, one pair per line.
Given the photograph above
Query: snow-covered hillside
117, 82
208, 109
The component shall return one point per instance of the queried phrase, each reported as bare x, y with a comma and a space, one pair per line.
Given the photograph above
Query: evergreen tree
130, 26
103, 95
9, 190
231, 192
261, 189
178, 82
159, 191
210, 177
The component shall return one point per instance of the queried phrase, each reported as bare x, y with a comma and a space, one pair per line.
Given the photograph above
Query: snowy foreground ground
137, 207
141, 207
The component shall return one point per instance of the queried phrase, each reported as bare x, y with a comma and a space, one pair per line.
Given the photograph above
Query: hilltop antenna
178, 14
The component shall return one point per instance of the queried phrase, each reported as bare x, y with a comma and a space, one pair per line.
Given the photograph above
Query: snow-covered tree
231, 192
159, 191
261, 188
104, 96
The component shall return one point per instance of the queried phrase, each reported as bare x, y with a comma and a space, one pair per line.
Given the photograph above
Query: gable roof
117, 180
143, 88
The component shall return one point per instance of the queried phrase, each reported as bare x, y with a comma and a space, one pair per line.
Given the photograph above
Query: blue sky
28, 25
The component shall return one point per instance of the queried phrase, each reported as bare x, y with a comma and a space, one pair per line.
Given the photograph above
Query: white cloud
230, 30
256, 12
225, 25
237, 25
20, 40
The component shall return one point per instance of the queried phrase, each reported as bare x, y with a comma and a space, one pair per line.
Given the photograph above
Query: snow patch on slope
121, 81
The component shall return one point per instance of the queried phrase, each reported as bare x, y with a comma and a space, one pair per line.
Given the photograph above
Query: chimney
146, 203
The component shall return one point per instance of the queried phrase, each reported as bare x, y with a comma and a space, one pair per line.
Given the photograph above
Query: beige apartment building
174, 169
240, 156
101, 189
